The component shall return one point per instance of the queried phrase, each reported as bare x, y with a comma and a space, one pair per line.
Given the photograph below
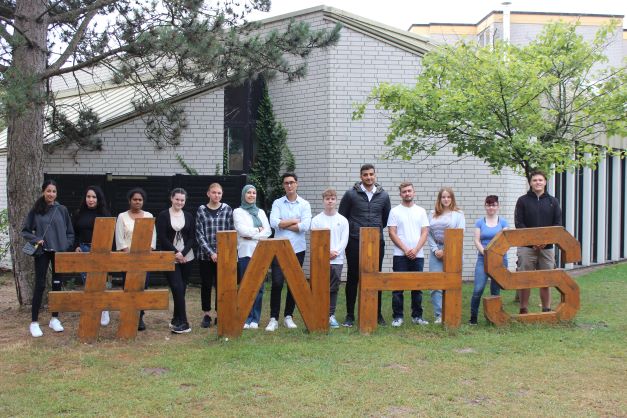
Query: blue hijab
251, 207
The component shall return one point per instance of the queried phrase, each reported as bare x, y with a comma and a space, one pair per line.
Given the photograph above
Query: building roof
113, 103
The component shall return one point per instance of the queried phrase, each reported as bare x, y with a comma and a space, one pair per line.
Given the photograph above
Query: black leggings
41, 269
177, 280
208, 278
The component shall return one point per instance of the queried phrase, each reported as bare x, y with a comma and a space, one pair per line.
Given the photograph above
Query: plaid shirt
207, 226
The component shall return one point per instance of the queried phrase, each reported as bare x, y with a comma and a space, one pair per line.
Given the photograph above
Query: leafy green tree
542, 105
273, 154
160, 47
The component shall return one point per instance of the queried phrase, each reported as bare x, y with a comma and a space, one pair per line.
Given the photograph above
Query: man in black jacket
365, 204
536, 209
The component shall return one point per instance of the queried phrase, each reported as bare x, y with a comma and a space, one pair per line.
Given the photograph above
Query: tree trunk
25, 157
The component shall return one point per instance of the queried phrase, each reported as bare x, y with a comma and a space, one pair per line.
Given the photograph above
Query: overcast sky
402, 13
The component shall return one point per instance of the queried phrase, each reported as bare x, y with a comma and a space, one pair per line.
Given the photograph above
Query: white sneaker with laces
35, 331
419, 321
104, 318
55, 324
397, 322
289, 322
254, 325
438, 320
272, 325
246, 326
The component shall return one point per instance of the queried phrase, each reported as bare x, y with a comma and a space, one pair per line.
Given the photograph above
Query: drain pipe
506, 20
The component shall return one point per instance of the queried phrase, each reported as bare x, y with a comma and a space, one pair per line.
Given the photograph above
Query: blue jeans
255, 312
481, 279
402, 263
435, 265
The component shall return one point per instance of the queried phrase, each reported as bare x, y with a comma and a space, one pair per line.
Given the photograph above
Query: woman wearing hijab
251, 224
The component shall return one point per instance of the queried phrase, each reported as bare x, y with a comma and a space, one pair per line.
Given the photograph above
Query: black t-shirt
214, 212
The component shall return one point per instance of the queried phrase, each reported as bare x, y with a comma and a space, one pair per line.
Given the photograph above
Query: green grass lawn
573, 369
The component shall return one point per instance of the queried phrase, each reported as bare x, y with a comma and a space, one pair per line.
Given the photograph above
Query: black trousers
277, 288
41, 269
208, 279
177, 280
352, 275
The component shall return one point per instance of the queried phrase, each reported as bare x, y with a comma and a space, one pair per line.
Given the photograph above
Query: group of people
50, 227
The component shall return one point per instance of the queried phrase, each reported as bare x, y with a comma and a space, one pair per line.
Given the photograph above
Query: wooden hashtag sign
100, 261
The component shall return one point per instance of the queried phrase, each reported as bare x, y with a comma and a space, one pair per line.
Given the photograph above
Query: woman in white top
251, 225
445, 215
124, 231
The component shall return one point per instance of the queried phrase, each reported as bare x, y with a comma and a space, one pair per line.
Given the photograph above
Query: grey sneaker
419, 321
289, 322
272, 325
397, 322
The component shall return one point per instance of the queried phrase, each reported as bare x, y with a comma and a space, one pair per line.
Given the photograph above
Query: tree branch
73, 15
71, 48
95, 60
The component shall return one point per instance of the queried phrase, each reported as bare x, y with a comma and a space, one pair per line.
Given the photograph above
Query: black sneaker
546, 309
473, 320
182, 328
173, 324
348, 322
381, 321
206, 321
141, 326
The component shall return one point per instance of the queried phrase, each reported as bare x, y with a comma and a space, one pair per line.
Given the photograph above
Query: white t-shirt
339, 232
409, 222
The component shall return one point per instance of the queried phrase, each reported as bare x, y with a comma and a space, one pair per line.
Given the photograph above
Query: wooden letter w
311, 298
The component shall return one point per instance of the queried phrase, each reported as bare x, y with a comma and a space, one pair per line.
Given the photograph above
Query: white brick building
328, 145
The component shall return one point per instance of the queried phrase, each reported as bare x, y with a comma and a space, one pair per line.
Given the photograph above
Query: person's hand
40, 242
334, 254
125, 250
78, 250
411, 253
439, 253
214, 257
180, 258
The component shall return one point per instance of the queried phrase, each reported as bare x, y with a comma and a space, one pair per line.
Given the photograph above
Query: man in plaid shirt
213, 217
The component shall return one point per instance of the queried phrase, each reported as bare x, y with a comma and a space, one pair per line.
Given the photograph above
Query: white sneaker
397, 322
419, 321
55, 324
289, 322
104, 318
35, 331
254, 325
272, 325
246, 326
438, 320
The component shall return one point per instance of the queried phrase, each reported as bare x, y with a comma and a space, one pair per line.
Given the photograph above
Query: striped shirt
207, 227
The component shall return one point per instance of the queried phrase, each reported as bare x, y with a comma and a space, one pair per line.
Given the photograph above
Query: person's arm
519, 214
343, 230
242, 226
461, 220
275, 215
424, 231
201, 231
557, 213
387, 207
190, 238
153, 241
119, 233
229, 220
69, 229
267, 231
163, 219
433, 246
392, 232
28, 227
345, 205
477, 240
305, 217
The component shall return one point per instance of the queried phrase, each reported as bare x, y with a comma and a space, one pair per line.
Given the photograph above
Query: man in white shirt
408, 226
338, 225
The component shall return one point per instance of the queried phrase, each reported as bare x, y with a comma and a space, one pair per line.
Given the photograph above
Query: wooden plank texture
371, 280
97, 263
568, 288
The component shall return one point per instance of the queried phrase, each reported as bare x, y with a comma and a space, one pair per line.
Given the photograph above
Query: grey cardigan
60, 234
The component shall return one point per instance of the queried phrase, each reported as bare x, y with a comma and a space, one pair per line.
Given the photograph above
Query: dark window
240, 116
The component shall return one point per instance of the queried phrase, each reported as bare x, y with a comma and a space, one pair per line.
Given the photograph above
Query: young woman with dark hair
49, 227
176, 232
92, 205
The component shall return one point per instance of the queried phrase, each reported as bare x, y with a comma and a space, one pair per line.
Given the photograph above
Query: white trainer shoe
246, 326
419, 321
104, 318
272, 325
397, 322
438, 320
289, 322
55, 324
253, 325
35, 331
